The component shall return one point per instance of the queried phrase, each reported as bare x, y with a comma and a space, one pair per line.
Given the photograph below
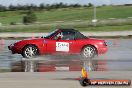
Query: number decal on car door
62, 46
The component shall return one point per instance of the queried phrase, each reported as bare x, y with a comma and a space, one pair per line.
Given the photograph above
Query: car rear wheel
88, 52
30, 51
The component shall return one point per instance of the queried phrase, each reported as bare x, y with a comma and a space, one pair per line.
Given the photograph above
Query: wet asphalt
118, 58
115, 64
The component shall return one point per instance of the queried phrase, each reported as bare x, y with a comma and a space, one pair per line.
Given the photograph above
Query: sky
37, 2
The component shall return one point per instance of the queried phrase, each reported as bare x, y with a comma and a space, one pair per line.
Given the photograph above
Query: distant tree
32, 6
90, 5
53, 6
20, 7
85, 5
60, 5
30, 17
12, 8
42, 6
48, 7
128, 5
104, 5
2, 8
12, 23
65, 5
76, 5
26, 7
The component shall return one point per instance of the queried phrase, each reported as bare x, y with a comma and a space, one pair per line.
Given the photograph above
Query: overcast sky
37, 2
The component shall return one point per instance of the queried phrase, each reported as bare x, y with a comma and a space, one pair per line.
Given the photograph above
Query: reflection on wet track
117, 58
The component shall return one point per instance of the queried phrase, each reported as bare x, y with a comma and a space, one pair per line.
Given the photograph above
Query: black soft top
77, 35
73, 30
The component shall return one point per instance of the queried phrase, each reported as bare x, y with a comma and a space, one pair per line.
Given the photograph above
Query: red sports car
60, 41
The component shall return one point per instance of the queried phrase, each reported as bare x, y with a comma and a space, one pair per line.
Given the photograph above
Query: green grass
68, 14
4, 70
10, 16
48, 19
48, 28
114, 12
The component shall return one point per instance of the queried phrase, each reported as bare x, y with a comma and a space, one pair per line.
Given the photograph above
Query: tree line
30, 16
41, 6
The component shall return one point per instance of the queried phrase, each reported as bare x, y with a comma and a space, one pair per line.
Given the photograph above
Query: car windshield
51, 34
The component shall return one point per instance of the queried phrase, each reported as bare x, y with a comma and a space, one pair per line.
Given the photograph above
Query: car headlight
105, 43
12, 45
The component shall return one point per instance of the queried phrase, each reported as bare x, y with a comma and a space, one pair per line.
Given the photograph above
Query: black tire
88, 52
129, 83
30, 51
85, 82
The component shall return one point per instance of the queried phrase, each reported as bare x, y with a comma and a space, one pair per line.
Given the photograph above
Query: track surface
117, 58
57, 79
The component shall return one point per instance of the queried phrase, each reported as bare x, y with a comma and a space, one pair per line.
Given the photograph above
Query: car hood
32, 39
29, 40
94, 39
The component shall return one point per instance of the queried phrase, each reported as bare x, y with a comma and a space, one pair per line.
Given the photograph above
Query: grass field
48, 28
48, 20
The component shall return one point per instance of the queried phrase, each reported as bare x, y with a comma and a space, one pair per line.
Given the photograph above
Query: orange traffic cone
2, 42
33, 37
84, 73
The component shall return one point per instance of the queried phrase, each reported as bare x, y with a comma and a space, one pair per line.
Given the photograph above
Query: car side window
68, 35
65, 35
80, 36
57, 36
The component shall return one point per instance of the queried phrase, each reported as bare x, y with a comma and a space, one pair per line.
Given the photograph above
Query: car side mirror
59, 38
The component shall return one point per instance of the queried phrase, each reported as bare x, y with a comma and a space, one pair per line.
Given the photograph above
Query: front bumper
102, 50
13, 49
9, 47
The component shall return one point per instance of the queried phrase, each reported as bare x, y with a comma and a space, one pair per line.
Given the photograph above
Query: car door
50, 46
64, 46
63, 42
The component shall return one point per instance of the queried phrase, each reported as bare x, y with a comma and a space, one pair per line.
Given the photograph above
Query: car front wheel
88, 52
30, 51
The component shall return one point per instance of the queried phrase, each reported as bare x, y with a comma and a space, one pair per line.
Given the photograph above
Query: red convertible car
60, 41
